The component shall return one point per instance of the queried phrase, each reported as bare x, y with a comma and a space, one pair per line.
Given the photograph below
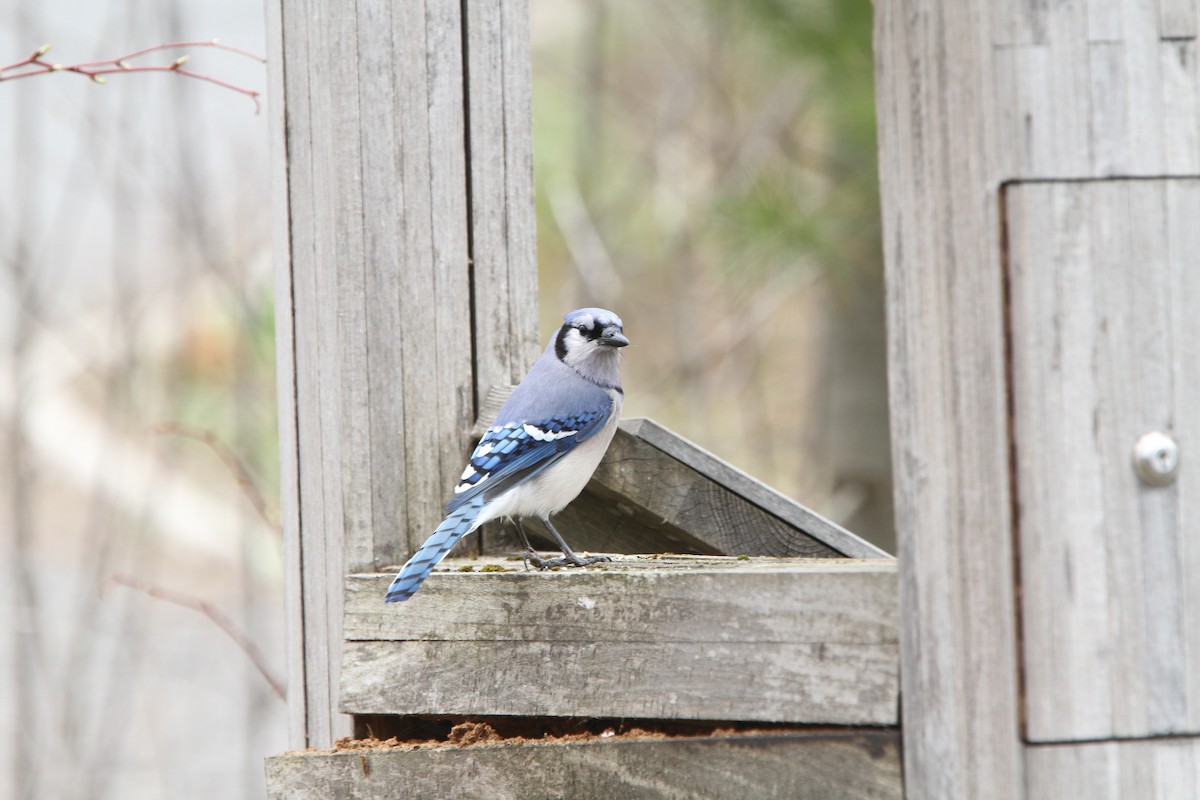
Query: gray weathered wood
976, 99
638, 599
939, 175
819, 683
378, 386
643, 499
754, 491
503, 233
286, 383
657, 492
1159, 769
1106, 88
799, 766
770, 640
1110, 639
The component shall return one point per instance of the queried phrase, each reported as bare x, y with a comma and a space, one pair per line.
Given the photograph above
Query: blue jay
543, 447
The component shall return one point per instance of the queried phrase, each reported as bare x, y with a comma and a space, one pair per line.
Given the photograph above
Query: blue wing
514, 452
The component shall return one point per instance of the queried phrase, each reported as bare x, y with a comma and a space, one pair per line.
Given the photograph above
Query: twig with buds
96, 70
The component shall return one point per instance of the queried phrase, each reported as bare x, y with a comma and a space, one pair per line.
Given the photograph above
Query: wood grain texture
1104, 88
1159, 769
639, 599
503, 231
1110, 636
378, 388
318, 557
816, 766
974, 97
289, 496
939, 171
843, 684
658, 492
754, 491
807, 641
641, 497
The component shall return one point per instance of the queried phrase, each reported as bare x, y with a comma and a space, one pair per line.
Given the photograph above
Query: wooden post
1038, 166
406, 286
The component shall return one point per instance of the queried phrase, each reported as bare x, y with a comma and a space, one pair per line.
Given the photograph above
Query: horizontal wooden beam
804, 641
815, 766
637, 599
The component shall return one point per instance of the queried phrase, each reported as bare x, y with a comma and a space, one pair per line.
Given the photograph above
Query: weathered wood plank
1181, 106
939, 175
657, 492
634, 641
972, 99
640, 600
1177, 19
377, 385
501, 179
1109, 120
1065, 85
285, 334
1104, 20
384, 243
521, 219
1057, 303
801, 766
1159, 769
1107, 629
448, 212
319, 534
640, 495
1146, 120
720, 472
814, 683
1183, 243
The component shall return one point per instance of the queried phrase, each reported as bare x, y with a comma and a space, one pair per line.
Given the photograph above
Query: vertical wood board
503, 233
972, 97
1103, 298
939, 138
1095, 89
289, 496
378, 380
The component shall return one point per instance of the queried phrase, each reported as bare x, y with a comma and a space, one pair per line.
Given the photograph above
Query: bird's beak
613, 337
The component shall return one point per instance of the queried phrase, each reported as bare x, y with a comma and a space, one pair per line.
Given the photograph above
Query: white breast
561, 483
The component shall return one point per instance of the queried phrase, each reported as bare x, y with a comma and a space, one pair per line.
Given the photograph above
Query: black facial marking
560, 342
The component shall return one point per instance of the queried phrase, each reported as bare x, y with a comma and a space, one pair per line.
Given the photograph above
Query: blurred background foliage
706, 169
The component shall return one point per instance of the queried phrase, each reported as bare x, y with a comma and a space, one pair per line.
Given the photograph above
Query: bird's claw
569, 560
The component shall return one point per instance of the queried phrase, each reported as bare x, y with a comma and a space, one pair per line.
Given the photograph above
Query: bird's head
590, 337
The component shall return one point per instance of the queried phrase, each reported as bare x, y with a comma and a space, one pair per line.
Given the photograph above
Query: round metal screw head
1156, 458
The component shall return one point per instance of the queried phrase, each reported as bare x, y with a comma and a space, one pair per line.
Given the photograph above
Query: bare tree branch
96, 70
231, 461
218, 619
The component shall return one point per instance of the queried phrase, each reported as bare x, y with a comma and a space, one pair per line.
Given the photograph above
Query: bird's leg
569, 558
530, 555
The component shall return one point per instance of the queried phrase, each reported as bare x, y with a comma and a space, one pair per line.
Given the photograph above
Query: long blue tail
414, 573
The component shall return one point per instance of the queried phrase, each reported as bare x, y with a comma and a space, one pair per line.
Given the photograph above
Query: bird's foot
568, 560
